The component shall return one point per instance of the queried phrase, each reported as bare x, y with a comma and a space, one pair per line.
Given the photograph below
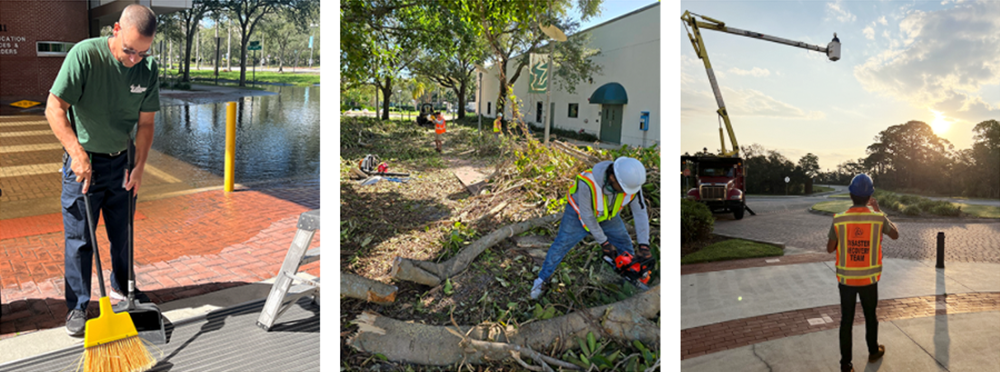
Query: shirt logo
137, 89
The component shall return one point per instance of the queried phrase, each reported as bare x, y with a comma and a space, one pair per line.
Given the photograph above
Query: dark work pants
869, 299
107, 197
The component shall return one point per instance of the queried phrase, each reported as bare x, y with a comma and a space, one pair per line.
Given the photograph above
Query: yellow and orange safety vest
602, 210
439, 125
859, 246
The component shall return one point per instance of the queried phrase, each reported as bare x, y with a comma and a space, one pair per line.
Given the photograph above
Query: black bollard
940, 250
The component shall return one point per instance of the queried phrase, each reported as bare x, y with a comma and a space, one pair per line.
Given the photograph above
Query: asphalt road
787, 220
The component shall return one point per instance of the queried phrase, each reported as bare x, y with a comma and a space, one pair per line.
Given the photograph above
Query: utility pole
197, 45
217, 42
229, 46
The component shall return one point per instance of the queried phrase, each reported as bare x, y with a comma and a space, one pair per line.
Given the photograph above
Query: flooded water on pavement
277, 135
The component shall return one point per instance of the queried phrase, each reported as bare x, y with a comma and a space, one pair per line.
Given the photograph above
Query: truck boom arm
832, 51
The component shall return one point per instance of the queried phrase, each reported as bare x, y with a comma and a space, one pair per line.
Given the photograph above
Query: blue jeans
571, 231
107, 196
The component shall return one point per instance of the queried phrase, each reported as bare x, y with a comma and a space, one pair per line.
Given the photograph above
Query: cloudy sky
937, 62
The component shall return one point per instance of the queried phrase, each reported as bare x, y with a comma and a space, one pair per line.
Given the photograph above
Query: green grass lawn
732, 249
841, 196
819, 189
981, 211
834, 206
298, 79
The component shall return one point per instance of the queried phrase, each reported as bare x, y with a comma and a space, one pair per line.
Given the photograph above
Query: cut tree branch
408, 342
362, 288
433, 274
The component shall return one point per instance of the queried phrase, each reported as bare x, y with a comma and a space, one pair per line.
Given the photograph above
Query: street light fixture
556, 35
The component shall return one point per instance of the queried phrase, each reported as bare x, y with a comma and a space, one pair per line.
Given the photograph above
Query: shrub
697, 222
912, 210
946, 209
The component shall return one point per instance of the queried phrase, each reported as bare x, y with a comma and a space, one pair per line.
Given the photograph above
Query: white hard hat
631, 174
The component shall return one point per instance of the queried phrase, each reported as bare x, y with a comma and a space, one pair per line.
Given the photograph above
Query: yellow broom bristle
125, 355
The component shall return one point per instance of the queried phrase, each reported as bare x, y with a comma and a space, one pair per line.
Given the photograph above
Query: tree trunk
243, 59
460, 92
187, 57
362, 288
386, 95
433, 274
407, 342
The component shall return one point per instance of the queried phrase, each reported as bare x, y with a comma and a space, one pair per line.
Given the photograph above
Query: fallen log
362, 288
433, 274
401, 341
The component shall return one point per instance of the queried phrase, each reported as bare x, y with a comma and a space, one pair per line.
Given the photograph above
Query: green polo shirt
106, 96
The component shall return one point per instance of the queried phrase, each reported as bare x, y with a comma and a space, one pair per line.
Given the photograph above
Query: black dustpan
147, 317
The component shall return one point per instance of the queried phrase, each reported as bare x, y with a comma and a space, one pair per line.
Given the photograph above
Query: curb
776, 244
922, 220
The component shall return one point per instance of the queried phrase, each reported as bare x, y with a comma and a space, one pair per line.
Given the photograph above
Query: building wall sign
9, 45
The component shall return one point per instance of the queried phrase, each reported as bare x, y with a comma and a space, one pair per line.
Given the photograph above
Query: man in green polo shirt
108, 87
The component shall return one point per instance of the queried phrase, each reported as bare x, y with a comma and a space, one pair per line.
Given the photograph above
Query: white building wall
630, 56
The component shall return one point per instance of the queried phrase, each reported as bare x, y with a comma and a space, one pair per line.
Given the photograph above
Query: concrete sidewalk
959, 342
719, 296
786, 318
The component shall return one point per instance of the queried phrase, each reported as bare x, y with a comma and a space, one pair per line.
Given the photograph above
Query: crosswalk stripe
19, 123
48, 168
30, 170
26, 148
27, 133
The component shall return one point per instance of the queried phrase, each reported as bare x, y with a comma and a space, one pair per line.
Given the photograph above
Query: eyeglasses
133, 52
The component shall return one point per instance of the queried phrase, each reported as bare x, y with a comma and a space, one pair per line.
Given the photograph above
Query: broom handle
131, 222
93, 244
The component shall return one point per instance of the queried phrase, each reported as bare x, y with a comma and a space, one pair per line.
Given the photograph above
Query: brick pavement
732, 334
964, 242
185, 246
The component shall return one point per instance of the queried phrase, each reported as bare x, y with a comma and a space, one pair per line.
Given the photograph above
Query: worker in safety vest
497, 124
438, 129
595, 202
856, 236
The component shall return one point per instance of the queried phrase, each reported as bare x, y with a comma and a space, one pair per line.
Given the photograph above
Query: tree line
906, 157
394, 44
285, 25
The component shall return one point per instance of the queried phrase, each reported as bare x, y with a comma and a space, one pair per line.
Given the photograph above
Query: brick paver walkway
742, 332
184, 246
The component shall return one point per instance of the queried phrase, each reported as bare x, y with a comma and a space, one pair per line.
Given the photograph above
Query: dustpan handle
93, 244
131, 222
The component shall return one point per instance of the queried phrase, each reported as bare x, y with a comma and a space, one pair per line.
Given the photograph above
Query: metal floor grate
223, 340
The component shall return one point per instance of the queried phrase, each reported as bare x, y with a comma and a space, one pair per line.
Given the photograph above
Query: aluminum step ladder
288, 287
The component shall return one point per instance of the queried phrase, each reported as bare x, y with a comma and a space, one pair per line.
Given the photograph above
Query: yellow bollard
230, 145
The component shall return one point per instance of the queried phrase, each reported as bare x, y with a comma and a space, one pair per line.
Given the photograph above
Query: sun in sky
940, 123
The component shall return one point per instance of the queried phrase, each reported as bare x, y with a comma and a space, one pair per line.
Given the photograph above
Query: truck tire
738, 212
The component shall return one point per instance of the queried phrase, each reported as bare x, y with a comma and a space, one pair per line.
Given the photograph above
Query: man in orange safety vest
856, 236
439, 129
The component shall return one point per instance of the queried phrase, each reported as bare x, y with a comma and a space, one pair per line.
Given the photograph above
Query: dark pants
869, 299
107, 197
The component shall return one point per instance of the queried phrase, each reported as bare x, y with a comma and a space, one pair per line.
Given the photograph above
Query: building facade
35, 36
611, 105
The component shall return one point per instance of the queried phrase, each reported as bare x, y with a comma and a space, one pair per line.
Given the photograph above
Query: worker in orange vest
856, 236
439, 130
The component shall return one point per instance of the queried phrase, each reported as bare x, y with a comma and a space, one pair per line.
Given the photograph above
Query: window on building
53, 48
489, 108
538, 112
574, 110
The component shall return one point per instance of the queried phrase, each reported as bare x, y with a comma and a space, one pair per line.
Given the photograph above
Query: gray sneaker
76, 322
536, 289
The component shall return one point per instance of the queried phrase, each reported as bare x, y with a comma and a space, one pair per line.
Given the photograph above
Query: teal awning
610, 94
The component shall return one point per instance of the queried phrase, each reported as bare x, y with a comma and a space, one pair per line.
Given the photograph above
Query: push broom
111, 342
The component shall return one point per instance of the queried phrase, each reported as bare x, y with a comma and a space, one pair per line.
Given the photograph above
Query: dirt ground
431, 217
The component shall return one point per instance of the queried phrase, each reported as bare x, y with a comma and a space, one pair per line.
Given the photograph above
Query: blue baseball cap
861, 185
